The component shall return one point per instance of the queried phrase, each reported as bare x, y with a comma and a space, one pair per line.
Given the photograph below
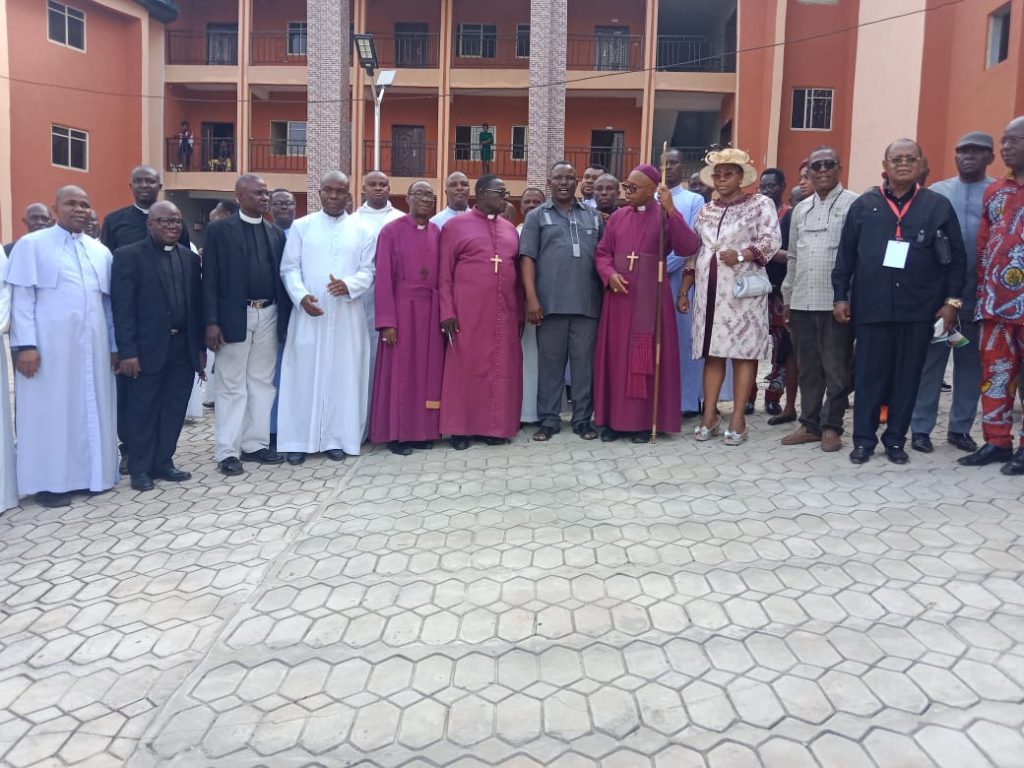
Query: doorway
606, 148
412, 45
611, 46
222, 44
408, 148
218, 147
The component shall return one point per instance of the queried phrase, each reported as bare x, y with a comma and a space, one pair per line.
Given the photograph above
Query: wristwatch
955, 303
739, 256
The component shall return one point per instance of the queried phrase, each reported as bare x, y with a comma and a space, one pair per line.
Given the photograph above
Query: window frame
997, 31
67, 12
517, 150
520, 39
83, 137
473, 148
486, 33
293, 32
291, 148
811, 95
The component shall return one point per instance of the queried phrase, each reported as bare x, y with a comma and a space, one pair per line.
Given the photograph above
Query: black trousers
889, 358
122, 414
155, 405
561, 339
824, 354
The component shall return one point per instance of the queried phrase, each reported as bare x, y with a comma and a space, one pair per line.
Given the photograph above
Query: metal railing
475, 51
618, 161
409, 159
412, 50
506, 161
694, 53
288, 48
200, 155
215, 48
605, 53
273, 156
693, 157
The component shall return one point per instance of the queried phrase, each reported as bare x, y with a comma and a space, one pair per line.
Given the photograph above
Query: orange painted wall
826, 60
287, 106
112, 64
381, 17
755, 64
503, 14
274, 15
585, 15
194, 16
585, 115
501, 113
197, 107
986, 99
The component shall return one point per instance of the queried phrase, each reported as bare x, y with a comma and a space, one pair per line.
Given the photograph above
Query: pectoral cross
632, 260
496, 261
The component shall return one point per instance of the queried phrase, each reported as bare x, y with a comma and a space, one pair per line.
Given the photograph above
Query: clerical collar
168, 247
421, 226
249, 219
641, 208
492, 216
144, 210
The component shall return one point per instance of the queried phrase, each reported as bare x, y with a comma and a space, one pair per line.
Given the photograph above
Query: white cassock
8, 476
325, 372
66, 414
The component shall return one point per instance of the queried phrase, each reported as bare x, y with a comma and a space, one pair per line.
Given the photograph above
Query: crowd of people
342, 326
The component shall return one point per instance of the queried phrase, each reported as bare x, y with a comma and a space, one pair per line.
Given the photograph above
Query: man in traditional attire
456, 190
327, 269
628, 263
406, 398
37, 216
481, 311
246, 312
63, 334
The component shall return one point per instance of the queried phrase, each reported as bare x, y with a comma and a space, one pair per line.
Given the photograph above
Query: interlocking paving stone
568, 605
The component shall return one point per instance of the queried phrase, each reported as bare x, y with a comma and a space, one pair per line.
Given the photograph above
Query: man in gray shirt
563, 300
974, 153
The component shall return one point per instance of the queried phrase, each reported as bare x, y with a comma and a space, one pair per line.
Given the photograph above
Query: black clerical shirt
128, 225
173, 275
261, 274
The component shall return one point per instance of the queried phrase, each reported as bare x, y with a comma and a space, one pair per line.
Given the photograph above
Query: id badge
896, 254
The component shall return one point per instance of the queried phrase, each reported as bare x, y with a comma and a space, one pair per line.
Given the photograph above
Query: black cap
976, 139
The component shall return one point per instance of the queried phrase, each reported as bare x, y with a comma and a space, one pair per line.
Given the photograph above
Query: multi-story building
270, 86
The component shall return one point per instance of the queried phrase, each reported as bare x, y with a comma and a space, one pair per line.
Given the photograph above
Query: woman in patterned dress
739, 234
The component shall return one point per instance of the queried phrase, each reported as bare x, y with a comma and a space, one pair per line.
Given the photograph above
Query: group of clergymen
405, 327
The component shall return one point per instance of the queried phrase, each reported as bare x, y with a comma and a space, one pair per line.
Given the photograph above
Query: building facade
270, 86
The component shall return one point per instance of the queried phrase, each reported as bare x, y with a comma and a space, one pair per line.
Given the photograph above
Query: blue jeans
966, 384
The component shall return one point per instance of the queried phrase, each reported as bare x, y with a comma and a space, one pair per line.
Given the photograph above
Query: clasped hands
335, 287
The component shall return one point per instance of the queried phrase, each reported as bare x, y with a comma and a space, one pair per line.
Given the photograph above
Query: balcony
216, 155
490, 52
211, 48
414, 50
693, 53
508, 162
605, 53
278, 49
411, 160
619, 161
273, 156
693, 157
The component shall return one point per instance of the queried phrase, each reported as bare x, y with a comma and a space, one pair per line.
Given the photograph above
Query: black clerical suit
894, 309
157, 302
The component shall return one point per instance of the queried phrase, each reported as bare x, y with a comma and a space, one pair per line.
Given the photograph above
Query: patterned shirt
1001, 254
815, 229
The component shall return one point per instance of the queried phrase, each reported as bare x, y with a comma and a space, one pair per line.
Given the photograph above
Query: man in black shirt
157, 301
899, 272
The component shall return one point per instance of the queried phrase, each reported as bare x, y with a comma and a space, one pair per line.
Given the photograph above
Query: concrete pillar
328, 121
548, 42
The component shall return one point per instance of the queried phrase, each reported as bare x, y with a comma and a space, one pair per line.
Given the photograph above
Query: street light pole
384, 79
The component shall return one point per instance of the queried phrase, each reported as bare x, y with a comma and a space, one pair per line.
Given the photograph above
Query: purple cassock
624, 362
482, 393
406, 401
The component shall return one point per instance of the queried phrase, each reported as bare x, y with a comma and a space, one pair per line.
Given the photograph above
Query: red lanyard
901, 212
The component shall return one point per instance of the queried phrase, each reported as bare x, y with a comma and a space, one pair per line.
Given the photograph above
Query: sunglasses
502, 193
823, 165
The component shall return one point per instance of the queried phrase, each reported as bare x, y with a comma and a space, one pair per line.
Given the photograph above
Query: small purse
751, 286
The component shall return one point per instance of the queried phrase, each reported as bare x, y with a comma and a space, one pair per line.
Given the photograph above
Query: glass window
812, 109
69, 148
288, 137
65, 25
998, 36
297, 38
478, 41
522, 41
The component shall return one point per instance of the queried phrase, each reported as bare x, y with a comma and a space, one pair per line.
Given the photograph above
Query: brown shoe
830, 442
801, 436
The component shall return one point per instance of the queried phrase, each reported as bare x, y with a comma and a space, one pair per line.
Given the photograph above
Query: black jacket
128, 225
883, 294
140, 300
225, 278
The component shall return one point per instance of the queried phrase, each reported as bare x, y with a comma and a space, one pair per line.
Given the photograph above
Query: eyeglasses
629, 187
1011, 140
905, 160
423, 196
502, 193
823, 165
163, 221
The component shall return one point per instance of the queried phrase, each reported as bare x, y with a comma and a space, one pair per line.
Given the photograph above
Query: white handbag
751, 286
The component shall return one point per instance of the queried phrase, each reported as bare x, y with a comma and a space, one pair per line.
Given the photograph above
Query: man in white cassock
327, 269
8, 470
62, 333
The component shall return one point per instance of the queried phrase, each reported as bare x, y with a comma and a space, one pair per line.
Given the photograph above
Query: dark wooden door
408, 148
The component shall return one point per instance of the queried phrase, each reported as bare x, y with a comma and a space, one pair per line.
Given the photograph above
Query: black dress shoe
639, 438
961, 440
142, 483
987, 454
919, 441
123, 466
609, 435
772, 408
171, 475
459, 442
53, 500
896, 455
263, 456
860, 454
295, 458
945, 386
750, 408
1014, 466
495, 441
230, 466
782, 418
399, 449
335, 454
422, 444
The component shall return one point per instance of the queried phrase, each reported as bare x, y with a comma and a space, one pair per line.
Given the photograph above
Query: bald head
165, 223
145, 185
72, 208
456, 189
376, 189
37, 216
334, 193
334, 177
252, 195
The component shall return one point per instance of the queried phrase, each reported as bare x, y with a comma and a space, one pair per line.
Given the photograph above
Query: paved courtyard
567, 605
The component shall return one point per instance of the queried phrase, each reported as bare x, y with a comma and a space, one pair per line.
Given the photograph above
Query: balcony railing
214, 48
282, 48
605, 53
508, 162
619, 161
273, 156
201, 155
693, 53
409, 159
490, 52
413, 50
693, 157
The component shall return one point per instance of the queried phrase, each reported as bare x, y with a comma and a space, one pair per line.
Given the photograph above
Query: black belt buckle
175, 331
259, 303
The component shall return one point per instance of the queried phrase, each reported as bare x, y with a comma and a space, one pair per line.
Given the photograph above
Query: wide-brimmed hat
728, 156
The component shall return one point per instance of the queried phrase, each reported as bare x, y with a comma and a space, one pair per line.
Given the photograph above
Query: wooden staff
657, 303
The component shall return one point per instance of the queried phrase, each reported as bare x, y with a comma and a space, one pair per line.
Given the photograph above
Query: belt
259, 303
176, 331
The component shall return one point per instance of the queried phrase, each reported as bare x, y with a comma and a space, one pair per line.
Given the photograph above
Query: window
998, 36
69, 148
522, 41
812, 109
518, 142
288, 137
296, 38
467, 142
479, 41
66, 25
